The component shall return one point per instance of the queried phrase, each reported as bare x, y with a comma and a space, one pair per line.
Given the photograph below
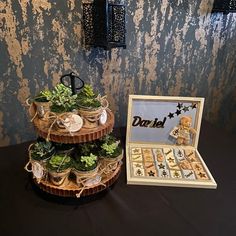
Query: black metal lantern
225, 6
104, 24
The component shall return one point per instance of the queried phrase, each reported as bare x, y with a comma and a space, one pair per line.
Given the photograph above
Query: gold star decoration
171, 160
135, 150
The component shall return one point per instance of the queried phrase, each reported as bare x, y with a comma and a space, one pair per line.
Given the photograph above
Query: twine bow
83, 181
58, 119
31, 162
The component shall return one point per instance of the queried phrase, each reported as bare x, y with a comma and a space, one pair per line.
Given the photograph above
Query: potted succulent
62, 102
42, 102
111, 152
59, 167
64, 148
39, 153
43, 96
85, 168
62, 99
84, 149
90, 107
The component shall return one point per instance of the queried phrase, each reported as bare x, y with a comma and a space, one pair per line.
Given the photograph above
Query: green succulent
43, 96
62, 99
59, 163
88, 91
87, 98
89, 160
110, 147
84, 149
86, 163
64, 148
42, 150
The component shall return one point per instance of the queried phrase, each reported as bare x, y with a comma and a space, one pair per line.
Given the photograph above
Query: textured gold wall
173, 48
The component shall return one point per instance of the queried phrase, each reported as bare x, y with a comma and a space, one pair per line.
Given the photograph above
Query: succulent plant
43, 96
59, 163
87, 98
85, 149
62, 99
42, 150
89, 160
86, 163
64, 148
110, 147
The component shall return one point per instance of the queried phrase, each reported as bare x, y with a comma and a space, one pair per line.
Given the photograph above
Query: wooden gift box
153, 156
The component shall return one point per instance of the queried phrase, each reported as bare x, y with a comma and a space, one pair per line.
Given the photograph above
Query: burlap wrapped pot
91, 116
83, 176
59, 178
42, 108
38, 167
111, 163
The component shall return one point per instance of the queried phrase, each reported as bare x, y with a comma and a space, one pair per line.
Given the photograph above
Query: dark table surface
123, 209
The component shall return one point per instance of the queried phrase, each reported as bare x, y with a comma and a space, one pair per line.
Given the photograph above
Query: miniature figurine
185, 131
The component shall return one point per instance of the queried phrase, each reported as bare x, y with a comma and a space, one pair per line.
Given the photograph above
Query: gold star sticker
171, 160
135, 150
202, 175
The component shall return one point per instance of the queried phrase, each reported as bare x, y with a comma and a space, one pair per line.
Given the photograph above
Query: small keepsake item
70, 122
93, 181
183, 132
38, 170
103, 117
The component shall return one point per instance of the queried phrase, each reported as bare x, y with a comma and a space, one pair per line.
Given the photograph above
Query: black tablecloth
123, 209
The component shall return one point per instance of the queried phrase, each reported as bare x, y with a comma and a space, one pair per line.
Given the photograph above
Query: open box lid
155, 119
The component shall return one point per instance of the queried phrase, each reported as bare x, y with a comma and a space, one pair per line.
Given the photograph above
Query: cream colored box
163, 132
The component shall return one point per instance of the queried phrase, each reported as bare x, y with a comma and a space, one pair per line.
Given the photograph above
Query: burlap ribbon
57, 119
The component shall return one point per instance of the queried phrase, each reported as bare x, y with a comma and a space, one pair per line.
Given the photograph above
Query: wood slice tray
71, 189
81, 136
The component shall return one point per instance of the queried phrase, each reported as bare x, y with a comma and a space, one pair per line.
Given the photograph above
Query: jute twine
31, 161
88, 176
110, 164
58, 118
93, 114
30, 105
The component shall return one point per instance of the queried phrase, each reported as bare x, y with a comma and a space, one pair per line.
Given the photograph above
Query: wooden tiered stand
83, 135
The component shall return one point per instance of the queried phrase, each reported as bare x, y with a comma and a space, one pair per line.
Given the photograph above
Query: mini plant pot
43, 162
42, 108
87, 177
38, 163
90, 117
59, 167
111, 163
59, 178
45, 158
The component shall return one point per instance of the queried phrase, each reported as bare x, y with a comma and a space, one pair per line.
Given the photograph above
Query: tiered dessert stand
72, 189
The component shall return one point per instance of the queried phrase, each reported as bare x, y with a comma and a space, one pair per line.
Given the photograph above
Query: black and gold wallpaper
173, 48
